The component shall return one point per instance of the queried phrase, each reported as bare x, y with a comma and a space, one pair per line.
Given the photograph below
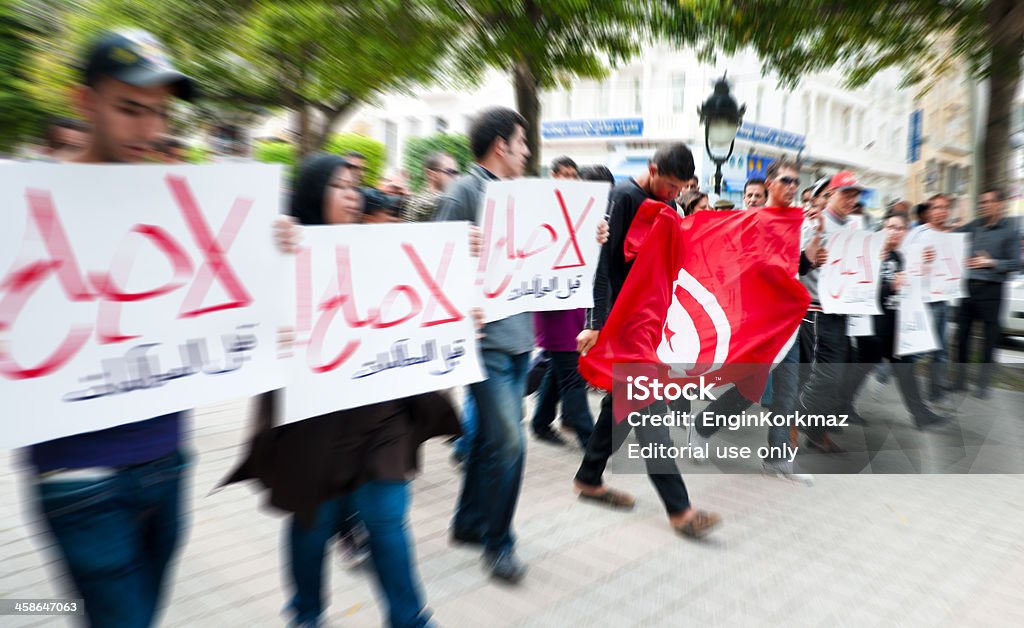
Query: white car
1013, 308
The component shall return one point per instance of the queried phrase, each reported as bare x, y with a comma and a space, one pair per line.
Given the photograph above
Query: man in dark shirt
667, 171
994, 254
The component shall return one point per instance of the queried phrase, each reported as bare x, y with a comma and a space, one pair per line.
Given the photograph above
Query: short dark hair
354, 154
779, 164
935, 197
921, 209
489, 125
434, 159
674, 160
597, 173
754, 181
998, 191
563, 162
892, 214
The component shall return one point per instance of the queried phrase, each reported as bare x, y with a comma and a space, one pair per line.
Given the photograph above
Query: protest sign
539, 246
379, 312
128, 292
848, 283
915, 332
947, 273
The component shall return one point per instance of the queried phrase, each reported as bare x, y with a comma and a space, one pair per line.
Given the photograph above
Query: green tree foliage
20, 115
320, 58
924, 37
417, 149
543, 44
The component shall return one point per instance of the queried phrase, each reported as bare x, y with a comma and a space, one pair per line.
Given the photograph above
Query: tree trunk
306, 146
1005, 35
331, 116
528, 103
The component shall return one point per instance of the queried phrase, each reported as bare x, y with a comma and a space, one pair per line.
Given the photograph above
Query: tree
20, 115
924, 37
319, 58
545, 44
417, 149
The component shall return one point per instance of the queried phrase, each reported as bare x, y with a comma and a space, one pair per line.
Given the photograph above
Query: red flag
715, 292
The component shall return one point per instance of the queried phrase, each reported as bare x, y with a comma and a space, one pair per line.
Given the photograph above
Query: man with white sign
115, 499
946, 270
831, 345
494, 468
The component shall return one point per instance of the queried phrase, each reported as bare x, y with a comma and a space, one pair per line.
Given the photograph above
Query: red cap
844, 180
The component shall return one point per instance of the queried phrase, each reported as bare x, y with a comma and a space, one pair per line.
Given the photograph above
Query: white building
620, 121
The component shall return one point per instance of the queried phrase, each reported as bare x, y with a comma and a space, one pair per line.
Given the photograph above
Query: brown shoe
612, 498
699, 524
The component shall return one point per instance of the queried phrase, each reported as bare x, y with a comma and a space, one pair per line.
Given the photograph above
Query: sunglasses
788, 180
451, 172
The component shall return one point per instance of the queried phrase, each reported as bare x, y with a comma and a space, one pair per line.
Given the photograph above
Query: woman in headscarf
355, 460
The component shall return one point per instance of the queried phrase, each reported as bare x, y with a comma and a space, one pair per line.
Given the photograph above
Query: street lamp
721, 117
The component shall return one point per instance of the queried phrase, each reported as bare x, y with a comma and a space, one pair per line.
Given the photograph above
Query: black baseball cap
137, 58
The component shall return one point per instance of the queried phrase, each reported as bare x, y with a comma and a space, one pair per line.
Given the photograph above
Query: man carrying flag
670, 167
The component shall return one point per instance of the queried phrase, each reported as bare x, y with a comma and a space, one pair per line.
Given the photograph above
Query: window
603, 96
637, 96
846, 119
759, 107
678, 92
441, 125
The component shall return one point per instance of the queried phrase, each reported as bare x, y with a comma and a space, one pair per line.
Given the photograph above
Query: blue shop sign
770, 136
604, 127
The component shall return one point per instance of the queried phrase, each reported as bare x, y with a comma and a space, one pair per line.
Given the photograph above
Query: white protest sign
380, 312
129, 292
848, 283
860, 325
915, 332
539, 245
947, 273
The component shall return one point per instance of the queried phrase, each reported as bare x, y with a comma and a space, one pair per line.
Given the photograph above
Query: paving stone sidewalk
865, 550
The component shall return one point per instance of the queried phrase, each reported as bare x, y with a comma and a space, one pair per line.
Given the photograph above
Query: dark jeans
870, 351
462, 443
563, 381
383, 508
830, 349
940, 357
983, 302
118, 535
608, 438
494, 468
784, 382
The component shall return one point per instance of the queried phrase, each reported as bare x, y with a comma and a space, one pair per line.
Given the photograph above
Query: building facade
653, 101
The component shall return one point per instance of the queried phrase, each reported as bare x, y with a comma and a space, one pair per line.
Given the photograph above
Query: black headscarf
310, 186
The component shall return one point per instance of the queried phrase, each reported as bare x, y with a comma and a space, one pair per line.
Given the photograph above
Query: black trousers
608, 438
870, 351
984, 301
825, 337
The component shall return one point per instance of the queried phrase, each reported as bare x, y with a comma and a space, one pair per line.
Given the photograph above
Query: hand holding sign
535, 256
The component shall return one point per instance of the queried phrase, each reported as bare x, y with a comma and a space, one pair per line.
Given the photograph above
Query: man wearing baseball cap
825, 334
114, 498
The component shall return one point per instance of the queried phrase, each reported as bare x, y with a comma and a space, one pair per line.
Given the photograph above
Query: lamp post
721, 117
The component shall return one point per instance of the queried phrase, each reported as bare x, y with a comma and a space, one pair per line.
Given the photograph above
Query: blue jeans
494, 468
563, 381
785, 383
118, 535
469, 421
383, 507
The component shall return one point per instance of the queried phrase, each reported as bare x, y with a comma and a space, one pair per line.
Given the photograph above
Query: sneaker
785, 469
505, 566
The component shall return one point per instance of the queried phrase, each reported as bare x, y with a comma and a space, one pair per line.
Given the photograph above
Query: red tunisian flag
713, 294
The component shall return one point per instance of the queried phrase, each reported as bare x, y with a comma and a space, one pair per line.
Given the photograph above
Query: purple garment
124, 445
557, 331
